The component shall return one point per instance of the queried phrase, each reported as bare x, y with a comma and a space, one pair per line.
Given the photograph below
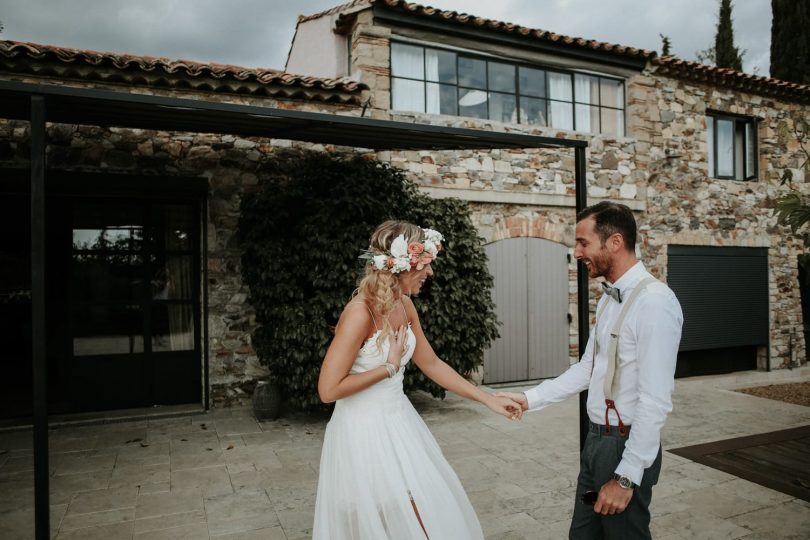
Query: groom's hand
613, 499
517, 397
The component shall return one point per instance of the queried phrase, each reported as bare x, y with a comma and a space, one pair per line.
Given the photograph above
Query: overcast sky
257, 33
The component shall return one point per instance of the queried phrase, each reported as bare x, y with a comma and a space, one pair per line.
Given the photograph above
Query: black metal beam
583, 317
121, 109
38, 334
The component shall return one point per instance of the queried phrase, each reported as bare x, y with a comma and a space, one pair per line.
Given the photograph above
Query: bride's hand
505, 407
397, 342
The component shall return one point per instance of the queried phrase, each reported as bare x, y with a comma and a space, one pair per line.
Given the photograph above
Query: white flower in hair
431, 248
399, 247
433, 235
401, 264
379, 261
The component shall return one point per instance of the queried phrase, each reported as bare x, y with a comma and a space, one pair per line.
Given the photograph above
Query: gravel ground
798, 393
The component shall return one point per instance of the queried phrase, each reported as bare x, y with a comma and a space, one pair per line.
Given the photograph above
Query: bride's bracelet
390, 368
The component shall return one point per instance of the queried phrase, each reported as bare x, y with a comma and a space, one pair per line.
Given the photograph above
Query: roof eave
386, 14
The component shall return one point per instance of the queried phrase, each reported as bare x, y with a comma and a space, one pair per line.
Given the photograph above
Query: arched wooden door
531, 301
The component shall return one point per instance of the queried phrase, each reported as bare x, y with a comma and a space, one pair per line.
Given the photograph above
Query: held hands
504, 406
516, 397
397, 342
613, 499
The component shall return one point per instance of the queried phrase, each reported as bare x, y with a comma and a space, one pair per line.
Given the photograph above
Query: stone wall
659, 169
231, 166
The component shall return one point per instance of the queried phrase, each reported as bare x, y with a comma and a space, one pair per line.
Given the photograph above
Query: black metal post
203, 224
583, 318
38, 333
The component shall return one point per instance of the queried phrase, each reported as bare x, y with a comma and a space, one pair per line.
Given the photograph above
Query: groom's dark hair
612, 218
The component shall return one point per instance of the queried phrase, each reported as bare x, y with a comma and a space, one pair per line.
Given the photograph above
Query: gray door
531, 300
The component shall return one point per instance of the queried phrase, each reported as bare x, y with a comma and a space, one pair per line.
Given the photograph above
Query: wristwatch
624, 481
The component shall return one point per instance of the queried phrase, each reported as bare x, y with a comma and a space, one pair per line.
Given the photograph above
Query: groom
629, 378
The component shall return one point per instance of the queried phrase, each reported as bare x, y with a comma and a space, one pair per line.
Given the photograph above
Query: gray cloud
257, 33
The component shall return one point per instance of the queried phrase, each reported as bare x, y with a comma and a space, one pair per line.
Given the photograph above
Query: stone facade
659, 169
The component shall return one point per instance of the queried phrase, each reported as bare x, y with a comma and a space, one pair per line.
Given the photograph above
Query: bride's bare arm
335, 380
446, 377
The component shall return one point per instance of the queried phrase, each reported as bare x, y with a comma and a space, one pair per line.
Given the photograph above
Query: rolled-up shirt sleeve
658, 334
574, 380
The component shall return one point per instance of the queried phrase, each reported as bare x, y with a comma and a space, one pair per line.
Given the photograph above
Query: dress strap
369, 312
404, 312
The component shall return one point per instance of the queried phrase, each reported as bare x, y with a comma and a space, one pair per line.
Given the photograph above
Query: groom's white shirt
648, 349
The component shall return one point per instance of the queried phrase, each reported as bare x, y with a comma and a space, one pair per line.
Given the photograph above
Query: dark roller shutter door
723, 293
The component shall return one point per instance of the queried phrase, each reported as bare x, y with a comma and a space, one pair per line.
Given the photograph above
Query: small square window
732, 147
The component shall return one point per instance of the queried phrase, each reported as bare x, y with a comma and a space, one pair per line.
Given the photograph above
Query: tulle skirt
379, 466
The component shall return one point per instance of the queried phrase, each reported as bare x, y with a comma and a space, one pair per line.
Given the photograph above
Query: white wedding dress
379, 460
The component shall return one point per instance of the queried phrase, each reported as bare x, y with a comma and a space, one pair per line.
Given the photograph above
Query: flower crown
404, 256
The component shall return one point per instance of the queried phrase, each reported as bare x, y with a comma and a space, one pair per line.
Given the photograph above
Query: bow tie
613, 292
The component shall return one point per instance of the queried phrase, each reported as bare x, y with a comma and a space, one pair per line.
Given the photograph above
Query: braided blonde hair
381, 290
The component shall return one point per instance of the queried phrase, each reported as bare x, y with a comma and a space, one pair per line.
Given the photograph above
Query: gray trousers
599, 460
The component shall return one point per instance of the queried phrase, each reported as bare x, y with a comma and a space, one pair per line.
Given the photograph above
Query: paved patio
223, 475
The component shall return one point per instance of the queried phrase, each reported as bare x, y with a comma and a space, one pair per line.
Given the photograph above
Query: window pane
172, 327
501, 77
407, 95
586, 89
502, 107
612, 122
407, 61
710, 141
101, 329
559, 86
533, 111
472, 103
750, 150
108, 226
442, 99
612, 93
532, 82
739, 149
172, 278
174, 224
440, 66
106, 278
587, 118
561, 115
472, 73
725, 147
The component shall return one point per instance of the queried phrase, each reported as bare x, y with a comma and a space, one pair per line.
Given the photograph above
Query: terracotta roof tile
730, 78
666, 65
49, 60
453, 17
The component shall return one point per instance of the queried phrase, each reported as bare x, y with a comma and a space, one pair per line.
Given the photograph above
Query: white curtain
582, 91
407, 61
562, 114
432, 94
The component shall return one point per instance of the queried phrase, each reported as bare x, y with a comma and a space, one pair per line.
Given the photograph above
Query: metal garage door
531, 300
723, 292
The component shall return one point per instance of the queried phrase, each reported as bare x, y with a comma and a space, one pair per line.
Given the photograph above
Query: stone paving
222, 475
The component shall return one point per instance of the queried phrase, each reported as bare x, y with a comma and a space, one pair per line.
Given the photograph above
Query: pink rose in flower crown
390, 262
415, 248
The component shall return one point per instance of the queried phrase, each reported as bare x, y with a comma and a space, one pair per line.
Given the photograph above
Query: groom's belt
601, 430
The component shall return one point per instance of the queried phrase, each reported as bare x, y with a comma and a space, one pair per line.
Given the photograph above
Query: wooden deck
778, 460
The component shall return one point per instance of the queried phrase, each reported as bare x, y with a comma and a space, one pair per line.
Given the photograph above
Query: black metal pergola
40, 103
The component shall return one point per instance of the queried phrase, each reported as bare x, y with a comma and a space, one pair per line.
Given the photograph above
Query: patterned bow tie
613, 292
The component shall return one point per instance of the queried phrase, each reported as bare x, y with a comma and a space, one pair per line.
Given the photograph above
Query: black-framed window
437, 81
732, 147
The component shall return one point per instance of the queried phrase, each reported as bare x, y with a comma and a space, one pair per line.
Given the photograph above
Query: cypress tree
665, 45
790, 40
727, 55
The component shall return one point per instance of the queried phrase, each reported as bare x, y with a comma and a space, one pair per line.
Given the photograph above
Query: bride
382, 474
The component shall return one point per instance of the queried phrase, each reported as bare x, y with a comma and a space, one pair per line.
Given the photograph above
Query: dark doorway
804, 288
123, 301
723, 292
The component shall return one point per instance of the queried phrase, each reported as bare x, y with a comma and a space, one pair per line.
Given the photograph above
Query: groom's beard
601, 265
